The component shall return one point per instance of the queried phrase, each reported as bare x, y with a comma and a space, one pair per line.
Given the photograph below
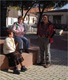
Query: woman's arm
10, 45
15, 29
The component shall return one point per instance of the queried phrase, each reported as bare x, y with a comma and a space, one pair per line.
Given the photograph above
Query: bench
29, 58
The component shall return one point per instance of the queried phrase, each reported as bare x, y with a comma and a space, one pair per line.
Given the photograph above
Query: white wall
30, 20
51, 18
10, 21
63, 16
63, 19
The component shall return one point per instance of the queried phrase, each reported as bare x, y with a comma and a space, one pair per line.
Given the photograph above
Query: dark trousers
45, 56
14, 58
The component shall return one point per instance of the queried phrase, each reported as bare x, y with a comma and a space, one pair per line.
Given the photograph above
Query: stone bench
29, 58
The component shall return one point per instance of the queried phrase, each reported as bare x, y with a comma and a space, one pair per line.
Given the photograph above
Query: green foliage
27, 3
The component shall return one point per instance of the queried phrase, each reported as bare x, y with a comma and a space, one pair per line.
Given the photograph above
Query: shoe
20, 51
6, 70
23, 68
40, 63
16, 71
27, 51
46, 65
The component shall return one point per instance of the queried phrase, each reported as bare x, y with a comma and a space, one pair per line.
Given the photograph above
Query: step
17, 46
1, 46
29, 59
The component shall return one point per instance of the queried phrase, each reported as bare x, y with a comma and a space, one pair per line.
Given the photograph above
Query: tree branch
29, 10
41, 15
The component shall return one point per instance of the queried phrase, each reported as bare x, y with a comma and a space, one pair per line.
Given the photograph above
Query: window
57, 19
26, 19
12, 20
33, 20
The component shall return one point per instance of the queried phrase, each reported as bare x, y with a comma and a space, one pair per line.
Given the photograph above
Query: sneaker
41, 63
23, 68
46, 65
16, 71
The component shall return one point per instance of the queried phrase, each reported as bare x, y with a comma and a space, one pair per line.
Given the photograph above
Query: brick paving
60, 41
57, 71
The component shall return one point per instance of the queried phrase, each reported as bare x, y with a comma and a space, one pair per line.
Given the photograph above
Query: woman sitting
14, 57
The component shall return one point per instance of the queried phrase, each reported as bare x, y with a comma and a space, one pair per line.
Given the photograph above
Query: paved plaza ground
57, 71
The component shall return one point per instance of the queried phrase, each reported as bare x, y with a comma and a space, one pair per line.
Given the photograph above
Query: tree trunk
0, 17
28, 10
22, 7
40, 14
3, 18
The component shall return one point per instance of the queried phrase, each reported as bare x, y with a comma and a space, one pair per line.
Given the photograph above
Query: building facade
59, 17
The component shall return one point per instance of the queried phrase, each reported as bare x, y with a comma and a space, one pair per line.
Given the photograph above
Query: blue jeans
20, 40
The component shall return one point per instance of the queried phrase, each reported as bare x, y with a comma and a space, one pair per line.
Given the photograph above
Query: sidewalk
57, 71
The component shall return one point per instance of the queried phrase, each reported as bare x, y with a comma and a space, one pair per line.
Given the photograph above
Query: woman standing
45, 32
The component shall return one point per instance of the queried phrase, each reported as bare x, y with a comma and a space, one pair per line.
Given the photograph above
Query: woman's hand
38, 36
22, 33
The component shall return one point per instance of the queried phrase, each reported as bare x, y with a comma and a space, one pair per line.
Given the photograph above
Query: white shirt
9, 45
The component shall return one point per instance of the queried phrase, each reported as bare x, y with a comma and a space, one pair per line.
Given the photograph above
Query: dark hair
8, 33
44, 15
20, 17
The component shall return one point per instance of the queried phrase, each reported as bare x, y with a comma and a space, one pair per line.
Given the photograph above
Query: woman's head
45, 18
9, 33
20, 19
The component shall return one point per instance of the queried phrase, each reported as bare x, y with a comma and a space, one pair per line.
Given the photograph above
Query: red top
46, 30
